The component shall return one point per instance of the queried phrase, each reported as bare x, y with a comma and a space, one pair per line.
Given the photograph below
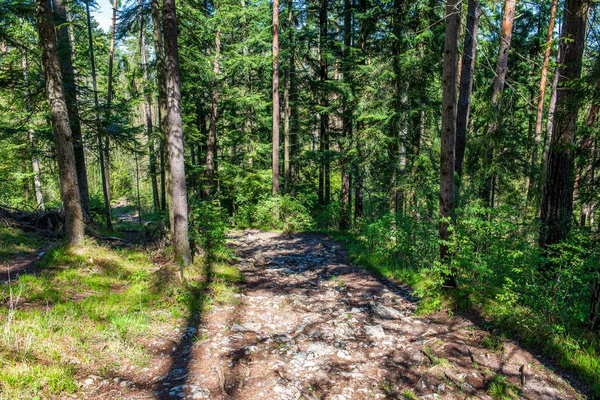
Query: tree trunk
37, 183
448, 138
65, 54
105, 187
346, 119
508, 20
211, 146
276, 110
466, 87
324, 175
175, 135
59, 115
557, 198
148, 115
162, 111
540, 105
286, 100
111, 58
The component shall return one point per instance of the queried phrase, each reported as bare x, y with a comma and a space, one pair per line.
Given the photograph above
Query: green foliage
279, 212
208, 226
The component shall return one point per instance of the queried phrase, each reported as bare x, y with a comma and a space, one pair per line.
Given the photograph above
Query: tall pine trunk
105, 184
162, 112
324, 172
275, 93
211, 145
65, 54
493, 128
540, 105
466, 86
59, 116
175, 135
448, 137
557, 198
148, 115
346, 119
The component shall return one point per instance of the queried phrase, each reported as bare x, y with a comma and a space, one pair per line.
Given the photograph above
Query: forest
174, 161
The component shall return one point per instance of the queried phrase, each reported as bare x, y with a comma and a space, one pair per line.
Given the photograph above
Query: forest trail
309, 325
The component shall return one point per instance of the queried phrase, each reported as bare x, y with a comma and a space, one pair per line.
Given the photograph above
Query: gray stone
375, 331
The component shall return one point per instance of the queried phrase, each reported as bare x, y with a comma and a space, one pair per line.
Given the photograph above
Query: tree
276, 110
101, 153
65, 52
162, 108
211, 151
324, 171
148, 115
508, 20
59, 115
540, 102
557, 198
175, 135
448, 139
466, 86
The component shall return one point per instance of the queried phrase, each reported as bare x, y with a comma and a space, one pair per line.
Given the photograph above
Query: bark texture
175, 135
59, 115
466, 85
557, 198
448, 138
65, 54
275, 93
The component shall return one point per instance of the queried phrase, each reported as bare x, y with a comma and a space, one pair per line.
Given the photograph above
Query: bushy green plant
208, 226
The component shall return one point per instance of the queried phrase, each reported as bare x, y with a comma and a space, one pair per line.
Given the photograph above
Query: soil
307, 324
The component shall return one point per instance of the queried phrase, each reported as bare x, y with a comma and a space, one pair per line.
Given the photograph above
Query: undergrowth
91, 309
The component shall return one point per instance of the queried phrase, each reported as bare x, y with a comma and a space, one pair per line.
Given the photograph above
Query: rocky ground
309, 325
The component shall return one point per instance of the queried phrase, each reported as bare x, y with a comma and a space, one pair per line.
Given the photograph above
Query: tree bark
557, 198
346, 118
59, 115
466, 87
105, 187
275, 93
111, 58
508, 20
324, 176
148, 115
448, 138
211, 146
37, 183
175, 135
540, 104
65, 54
286, 100
162, 111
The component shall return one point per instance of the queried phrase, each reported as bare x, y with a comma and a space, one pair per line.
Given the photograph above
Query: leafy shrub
208, 227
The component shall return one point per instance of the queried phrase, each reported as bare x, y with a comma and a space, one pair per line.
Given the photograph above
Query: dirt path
310, 326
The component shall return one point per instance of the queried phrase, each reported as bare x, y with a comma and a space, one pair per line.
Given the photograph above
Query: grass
575, 349
89, 311
14, 241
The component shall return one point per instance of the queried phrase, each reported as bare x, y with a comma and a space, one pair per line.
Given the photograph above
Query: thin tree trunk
66, 55
324, 175
105, 188
557, 198
175, 135
346, 118
148, 114
37, 183
211, 146
286, 101
540, 104
448, 139
548, 136
162, 112
275, 93
111, 58
508, 20
466, 87
59, 115
35, 166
